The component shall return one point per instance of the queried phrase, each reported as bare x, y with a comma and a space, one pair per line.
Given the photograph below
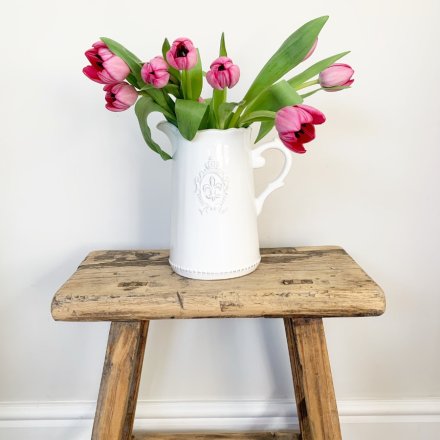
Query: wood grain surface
199, 436
120, 381
312, 380
140, 285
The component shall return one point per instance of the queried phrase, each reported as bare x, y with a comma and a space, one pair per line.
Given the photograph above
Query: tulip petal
317, 116
306, 134
92, 74
336, 75
182, 54
114, 109
288, 120
127, 95
296, 147
117, 68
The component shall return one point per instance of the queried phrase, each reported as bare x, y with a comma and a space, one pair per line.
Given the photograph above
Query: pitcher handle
259, 161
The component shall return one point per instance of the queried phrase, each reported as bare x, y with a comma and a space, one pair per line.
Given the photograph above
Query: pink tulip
296, 125
336, 77
224, 73
155, 72
120, 96
312, 49
105, 68
182, 54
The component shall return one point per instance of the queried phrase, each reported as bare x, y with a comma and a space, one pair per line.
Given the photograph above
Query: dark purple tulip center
100, 61
299, 132
221, 67
182, 50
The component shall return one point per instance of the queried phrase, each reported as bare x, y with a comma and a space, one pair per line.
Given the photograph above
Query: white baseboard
216, 415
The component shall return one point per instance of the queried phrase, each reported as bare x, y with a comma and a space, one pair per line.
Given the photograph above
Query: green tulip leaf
132, 80
144, 106
314, 70
265, 128
277, 96
258, 116
173, 89
190, 115
218, 98
192, 81
165, 48
225, 113
289, 55
133, 62
306, 95
223, 52
162, 99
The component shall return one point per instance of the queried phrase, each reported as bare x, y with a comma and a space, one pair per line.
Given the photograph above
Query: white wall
75, 177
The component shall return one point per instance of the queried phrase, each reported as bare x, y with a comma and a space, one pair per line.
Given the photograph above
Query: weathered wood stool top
140, 285
301, 285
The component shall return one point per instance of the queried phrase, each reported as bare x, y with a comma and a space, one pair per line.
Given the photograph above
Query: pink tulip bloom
312, 49
224, 73
120, 96
182, 54
155, 72
336, 77
296, 125
105, 68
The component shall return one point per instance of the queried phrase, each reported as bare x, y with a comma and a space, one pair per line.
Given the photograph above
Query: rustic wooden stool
301, 285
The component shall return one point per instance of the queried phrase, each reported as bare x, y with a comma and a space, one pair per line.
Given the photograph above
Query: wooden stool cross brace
300, 285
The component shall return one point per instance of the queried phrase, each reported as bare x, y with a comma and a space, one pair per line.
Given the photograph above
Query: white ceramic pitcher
214, 209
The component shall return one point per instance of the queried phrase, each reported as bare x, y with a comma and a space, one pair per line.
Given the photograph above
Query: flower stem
218, 98
308, 84
183, 85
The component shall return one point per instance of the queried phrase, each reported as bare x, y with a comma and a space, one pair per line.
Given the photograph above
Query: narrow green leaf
173, 89
218, 98
144, 106
162, 99
225, 113
189, 115
206, 120
134, 63
258, 116
289, 55
165, 48
315, 69
132, 80
223, 52
265, 128
306, 95
277, 96
194, 79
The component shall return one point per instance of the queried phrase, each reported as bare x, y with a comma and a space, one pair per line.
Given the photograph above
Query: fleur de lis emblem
213, 189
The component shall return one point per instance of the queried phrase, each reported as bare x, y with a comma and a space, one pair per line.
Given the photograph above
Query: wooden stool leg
120, 381
312, 379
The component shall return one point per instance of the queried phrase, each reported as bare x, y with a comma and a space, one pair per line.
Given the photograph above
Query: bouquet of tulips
172, 85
